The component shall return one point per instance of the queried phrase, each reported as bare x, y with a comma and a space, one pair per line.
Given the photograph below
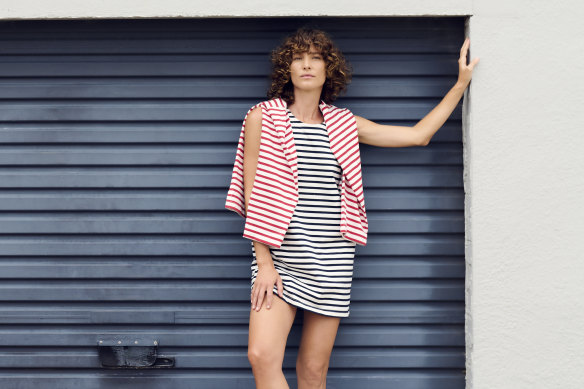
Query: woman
300, 170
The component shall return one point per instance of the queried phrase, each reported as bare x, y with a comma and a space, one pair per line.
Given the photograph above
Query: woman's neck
306, 108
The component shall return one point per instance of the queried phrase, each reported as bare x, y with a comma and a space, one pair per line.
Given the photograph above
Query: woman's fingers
280, 287
269, 297
464, 48
260, 298
257, 296
262, 286
253, 296
464, 70
473, 63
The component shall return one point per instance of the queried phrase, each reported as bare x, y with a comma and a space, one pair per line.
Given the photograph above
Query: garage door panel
117, 145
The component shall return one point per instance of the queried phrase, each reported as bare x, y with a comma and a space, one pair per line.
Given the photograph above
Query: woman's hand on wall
464, 70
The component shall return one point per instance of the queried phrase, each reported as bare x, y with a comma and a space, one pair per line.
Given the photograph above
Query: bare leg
318, 337
268, 333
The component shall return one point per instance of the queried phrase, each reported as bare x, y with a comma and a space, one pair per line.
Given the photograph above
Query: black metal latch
131, 352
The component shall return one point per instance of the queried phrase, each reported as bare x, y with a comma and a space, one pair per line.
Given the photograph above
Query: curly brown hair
338, 69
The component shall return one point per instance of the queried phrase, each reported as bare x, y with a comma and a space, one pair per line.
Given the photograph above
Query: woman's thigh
318, 337
269, 329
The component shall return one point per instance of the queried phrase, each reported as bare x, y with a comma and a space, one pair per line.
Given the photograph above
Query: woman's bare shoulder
253, 123
255, 114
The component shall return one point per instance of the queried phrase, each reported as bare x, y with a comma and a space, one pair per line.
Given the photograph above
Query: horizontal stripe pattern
314, 261
274, 193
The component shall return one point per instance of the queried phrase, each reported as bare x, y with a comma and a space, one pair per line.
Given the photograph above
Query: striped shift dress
314, 261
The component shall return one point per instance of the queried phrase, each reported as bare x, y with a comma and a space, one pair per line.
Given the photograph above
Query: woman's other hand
266, 278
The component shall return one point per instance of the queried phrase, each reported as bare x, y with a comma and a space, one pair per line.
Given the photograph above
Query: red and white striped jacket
274, 193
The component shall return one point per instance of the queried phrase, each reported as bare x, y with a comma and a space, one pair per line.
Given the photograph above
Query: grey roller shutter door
118, 138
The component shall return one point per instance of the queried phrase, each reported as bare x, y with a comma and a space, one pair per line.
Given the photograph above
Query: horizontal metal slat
202, 378
362, 335
200, 223
201, 155
197, 132
122, 110
250, 66
203, 244
236, 358
211, 290
212, 267
218, 313
205, 199
208, 176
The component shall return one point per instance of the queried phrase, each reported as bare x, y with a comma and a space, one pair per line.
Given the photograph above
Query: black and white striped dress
314, 261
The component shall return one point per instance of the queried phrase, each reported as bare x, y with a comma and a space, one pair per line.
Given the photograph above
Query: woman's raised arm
381, 135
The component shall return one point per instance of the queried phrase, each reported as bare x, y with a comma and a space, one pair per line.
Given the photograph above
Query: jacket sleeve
273, 196
235, 200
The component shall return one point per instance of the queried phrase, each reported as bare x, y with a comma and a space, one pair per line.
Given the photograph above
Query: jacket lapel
332, 128
284, 127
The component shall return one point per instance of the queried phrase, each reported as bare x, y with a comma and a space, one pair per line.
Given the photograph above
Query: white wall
525, 145
33, 9
524, 169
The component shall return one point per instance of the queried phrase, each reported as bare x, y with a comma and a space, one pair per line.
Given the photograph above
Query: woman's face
311, 63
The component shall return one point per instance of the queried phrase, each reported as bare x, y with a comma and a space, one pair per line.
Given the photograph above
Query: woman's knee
311, 370
264, 357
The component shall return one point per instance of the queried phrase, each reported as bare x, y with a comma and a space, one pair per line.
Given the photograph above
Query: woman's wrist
262, 254
264, 261
266, 265
460, 85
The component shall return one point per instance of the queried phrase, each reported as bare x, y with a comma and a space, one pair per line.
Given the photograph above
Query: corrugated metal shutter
118, 139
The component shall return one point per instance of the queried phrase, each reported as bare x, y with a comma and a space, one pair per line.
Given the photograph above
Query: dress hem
304, 306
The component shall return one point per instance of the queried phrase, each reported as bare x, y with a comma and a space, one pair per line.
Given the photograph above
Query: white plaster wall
526, 190
56, 9
524, 169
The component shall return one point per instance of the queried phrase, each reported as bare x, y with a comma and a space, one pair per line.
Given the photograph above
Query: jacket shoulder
266, 104
334, 108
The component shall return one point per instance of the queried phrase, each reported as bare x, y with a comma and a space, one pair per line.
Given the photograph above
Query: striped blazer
274, 193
